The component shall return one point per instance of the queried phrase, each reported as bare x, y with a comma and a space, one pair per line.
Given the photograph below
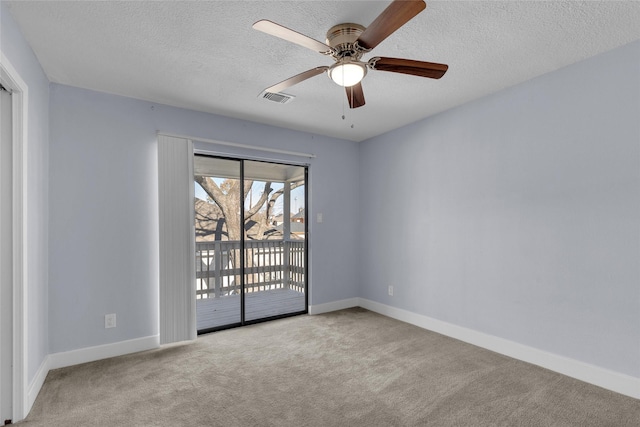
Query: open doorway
251, 241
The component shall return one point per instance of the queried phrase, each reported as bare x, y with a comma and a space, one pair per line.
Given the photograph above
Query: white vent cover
280, 98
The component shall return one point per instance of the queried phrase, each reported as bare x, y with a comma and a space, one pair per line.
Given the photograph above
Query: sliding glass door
251, 241
218, 235
274, 245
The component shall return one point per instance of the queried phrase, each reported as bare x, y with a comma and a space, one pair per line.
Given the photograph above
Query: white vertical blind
177, 240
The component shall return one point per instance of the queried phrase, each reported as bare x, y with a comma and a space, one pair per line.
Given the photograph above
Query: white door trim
20, 95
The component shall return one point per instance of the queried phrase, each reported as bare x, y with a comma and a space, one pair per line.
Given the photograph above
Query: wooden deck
225, 310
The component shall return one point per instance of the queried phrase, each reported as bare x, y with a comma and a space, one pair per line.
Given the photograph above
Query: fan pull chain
350, 99
343, 115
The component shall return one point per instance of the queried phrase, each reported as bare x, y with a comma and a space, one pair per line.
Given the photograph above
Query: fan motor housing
342, 38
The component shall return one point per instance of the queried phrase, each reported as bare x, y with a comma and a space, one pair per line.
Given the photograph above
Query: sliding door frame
242, 260
243, 321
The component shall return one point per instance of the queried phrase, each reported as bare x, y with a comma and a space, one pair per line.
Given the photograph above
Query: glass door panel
218, 242
275, 240
250, 241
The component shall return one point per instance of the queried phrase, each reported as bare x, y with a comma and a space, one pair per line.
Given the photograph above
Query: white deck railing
269, 264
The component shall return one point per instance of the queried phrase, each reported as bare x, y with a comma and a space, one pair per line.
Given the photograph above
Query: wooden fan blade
287, 34
296, 79
408, 66
393, 17
355, 95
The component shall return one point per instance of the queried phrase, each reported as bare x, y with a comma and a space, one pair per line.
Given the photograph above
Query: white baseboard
36, 384
334, 306
89, 354
83, 355
620, 383
614, 381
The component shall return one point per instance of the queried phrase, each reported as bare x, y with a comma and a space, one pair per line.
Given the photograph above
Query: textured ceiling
205, 56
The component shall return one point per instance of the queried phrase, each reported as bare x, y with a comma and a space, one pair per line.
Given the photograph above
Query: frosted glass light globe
347, 73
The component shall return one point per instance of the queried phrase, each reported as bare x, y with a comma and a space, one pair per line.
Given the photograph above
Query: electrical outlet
319, 218
390, 290
110, 320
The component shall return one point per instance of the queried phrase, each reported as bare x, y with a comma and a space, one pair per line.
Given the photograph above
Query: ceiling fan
347, 43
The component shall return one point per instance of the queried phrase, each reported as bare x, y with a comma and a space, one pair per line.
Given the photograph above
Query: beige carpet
347, 368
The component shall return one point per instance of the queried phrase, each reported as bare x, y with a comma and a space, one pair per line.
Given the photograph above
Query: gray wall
517, 215
21, 57
104, 210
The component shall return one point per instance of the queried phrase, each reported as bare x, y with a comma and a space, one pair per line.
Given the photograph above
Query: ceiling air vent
280, 98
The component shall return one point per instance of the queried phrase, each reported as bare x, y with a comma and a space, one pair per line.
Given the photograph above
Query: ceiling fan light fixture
346, 43
347, 73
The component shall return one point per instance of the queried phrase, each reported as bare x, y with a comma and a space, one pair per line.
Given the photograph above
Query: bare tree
227, 197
